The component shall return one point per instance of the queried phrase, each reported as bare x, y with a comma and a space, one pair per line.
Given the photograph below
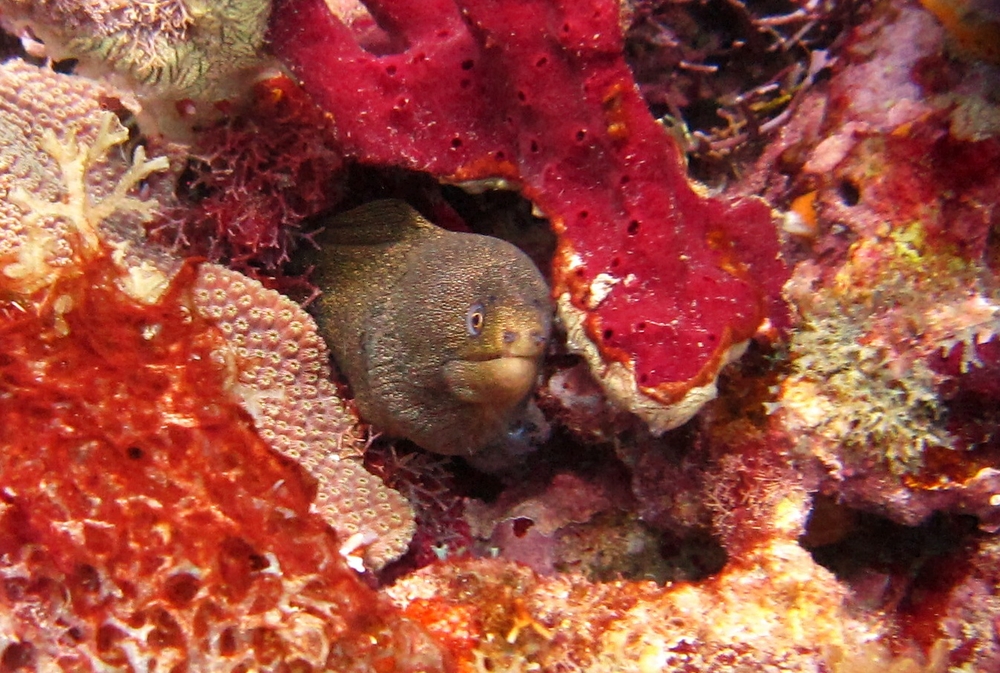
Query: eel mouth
501, 381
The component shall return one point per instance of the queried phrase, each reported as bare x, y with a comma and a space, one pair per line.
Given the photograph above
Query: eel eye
474, 320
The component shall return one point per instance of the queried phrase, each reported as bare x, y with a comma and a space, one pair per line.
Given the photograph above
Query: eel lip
500, 381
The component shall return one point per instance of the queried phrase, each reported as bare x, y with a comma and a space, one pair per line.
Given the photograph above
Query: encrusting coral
278, 366
897, 320
194, 454
60, 197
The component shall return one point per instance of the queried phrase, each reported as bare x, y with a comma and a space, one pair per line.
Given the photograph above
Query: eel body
440, 334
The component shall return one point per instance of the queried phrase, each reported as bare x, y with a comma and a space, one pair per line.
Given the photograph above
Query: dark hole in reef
584, 214
615, 262
468, 64
640, 326
390, 69
521, 526
521, 96
633, 228
456, 143
542, 62
74, 633
17, 656
624, 180
65, 66
534, 146
849, 193
87, 578
499, 156
11, 45
227, 643
693, 557
853, 543
580, 135
607, 334
134, 453
191, 188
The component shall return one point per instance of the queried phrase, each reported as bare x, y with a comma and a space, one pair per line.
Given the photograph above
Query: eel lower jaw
501, 381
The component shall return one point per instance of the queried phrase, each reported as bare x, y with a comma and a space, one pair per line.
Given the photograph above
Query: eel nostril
509, 337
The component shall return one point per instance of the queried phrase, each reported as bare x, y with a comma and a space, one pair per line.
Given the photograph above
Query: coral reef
278, 367
275, 361
165, 532
723, 76
183, 56
193, 454
538, 96
59, 196
252, 180
183, 487
894, 320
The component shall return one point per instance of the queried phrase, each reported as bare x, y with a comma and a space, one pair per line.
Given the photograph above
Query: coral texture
897, 324
165, 529
174, 456
181, 488
659, 285
278, 366
253, 179
60, 195
172, 51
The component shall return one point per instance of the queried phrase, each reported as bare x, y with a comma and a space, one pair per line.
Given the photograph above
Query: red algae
253, 179
142, 520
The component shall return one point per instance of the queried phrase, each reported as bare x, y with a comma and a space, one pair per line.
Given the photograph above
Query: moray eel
440, 334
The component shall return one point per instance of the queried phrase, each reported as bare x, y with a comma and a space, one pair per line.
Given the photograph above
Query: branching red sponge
659, 285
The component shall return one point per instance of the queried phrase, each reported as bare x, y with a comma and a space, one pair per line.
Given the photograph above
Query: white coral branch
77, 208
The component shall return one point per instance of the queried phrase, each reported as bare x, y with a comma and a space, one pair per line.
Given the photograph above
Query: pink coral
278, 367
658, 285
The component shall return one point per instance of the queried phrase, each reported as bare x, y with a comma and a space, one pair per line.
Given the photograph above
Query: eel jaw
500, 382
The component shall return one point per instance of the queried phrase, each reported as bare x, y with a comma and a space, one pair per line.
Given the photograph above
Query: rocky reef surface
766, 433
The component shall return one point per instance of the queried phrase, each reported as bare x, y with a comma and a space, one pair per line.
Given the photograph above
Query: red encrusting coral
253, 179
142, 519
658, 278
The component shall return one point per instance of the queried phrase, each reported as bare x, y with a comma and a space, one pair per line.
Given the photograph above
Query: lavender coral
278, 367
